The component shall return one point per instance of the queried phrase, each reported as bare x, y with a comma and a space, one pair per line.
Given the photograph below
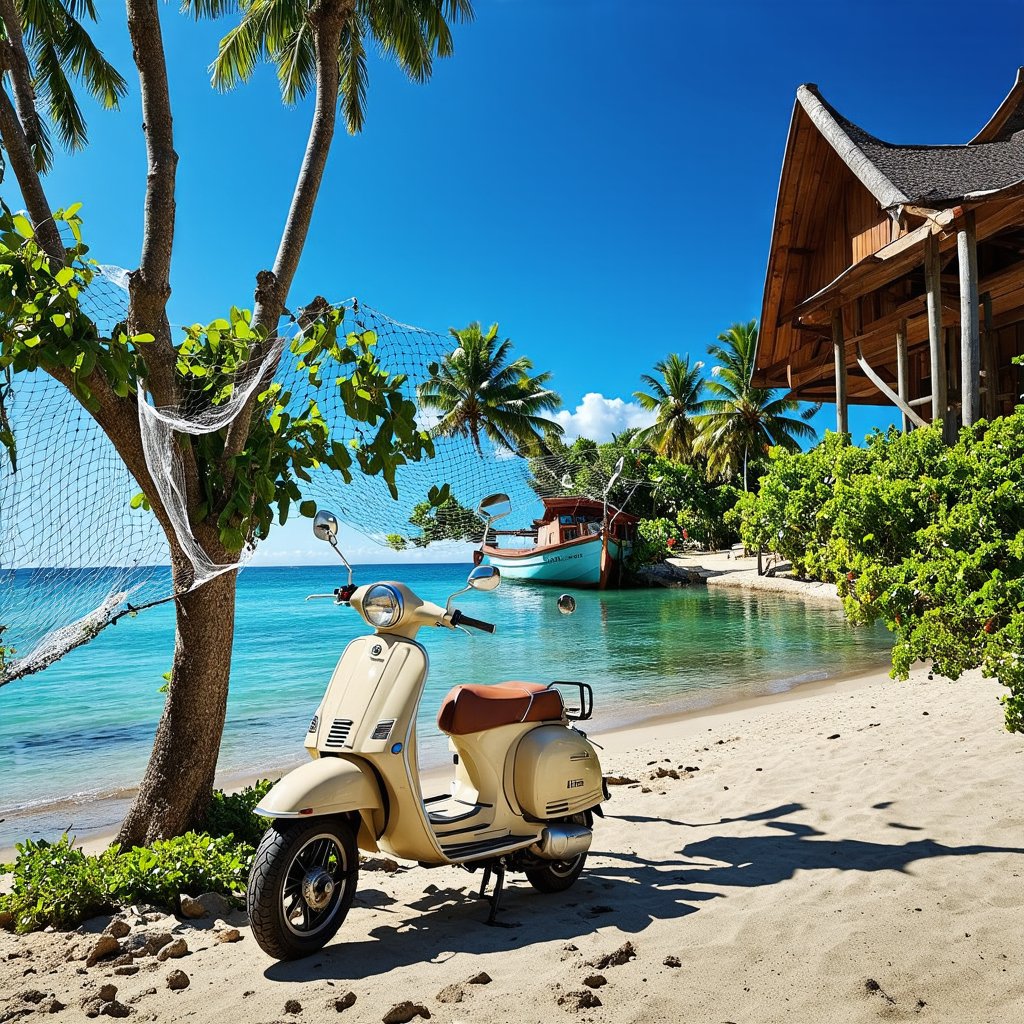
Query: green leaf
22, 225
308, 509
64, 276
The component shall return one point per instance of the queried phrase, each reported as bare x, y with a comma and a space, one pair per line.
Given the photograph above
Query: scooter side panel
328, 785
557, 773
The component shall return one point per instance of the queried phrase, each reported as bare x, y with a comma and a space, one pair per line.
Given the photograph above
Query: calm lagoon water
80, 732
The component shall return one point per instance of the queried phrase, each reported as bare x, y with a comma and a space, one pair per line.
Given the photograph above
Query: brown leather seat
471, 708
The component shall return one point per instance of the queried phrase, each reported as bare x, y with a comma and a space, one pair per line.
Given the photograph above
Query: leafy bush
54, 883
927, 537
57, 884
651, 543
194, 862
230, 814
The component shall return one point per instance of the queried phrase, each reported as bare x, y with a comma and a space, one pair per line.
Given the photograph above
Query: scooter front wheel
301, 885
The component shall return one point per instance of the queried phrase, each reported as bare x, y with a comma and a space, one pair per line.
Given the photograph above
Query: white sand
875, 876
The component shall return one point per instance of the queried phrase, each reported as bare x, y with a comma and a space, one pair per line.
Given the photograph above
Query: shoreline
716, 569
433, 771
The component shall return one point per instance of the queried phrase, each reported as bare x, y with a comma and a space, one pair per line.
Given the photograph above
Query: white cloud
598, 417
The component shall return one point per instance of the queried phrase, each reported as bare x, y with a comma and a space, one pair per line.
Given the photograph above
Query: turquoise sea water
76, 736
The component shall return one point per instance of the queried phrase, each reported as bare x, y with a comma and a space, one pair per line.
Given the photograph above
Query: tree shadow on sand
766, 860
624, 889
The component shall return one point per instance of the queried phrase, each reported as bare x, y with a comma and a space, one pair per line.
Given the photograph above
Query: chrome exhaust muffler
563, 842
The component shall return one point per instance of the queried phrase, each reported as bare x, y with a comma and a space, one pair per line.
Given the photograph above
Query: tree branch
18, 125
273, 287
149, 287
328, 27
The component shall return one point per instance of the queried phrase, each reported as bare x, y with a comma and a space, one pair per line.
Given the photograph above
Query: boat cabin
568, 519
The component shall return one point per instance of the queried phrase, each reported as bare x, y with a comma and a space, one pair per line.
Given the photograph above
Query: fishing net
78, 549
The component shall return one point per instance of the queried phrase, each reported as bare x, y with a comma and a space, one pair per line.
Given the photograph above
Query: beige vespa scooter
526, 782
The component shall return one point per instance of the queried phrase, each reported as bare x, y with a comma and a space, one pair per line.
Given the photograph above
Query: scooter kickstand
499, 885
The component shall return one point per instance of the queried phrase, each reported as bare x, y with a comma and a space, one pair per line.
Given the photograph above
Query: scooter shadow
450, 920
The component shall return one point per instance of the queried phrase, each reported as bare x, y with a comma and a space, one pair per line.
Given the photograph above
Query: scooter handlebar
460, 619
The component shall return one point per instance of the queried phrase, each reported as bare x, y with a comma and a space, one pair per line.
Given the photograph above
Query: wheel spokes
322, 855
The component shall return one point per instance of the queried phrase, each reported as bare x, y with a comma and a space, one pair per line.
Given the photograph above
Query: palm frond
57, 94
296, 65
209, 8
352, 66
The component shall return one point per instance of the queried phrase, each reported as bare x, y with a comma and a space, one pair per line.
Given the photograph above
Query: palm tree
289, 34
44, 48
740, 420
676, 400
57, 45
478, 391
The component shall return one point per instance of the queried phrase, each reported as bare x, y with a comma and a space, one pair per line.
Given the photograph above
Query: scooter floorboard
481, 848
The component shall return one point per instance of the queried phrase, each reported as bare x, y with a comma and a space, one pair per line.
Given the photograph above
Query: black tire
558, 875
299, 864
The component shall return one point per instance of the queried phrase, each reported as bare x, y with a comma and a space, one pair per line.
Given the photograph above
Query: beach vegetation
738, 422
924, 536
680, 500
448, 520
479, 390
231, 814
676, 401
59, 885
233, 477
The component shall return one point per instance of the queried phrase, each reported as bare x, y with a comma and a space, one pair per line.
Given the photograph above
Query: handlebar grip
460, 619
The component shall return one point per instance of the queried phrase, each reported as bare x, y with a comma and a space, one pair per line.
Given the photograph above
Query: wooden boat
578, 541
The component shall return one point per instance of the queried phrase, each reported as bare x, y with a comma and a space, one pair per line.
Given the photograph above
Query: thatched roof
931, 176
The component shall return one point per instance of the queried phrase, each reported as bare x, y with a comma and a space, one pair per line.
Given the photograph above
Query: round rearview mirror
484, 577
566, 604
494, 506
325, 525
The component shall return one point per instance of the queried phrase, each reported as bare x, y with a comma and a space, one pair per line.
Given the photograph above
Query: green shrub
651, 543
57, 884
929, 538
193, 863
231, 813
54, 883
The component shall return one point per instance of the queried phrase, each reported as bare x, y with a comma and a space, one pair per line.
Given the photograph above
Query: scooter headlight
382, 606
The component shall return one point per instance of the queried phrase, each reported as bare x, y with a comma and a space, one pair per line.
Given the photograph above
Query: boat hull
577, 563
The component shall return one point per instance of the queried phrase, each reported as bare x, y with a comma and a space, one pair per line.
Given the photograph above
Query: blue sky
598, 176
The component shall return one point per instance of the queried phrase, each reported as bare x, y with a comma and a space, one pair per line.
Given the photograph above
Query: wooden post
936, 340
902, 370
990, 360
839, 348
970, 330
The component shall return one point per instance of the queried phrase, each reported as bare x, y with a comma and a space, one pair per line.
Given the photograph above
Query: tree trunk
175, 791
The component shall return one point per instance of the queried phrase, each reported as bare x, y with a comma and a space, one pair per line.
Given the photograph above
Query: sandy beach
848, 853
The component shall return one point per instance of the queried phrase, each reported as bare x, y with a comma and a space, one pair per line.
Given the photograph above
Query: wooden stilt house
896, 272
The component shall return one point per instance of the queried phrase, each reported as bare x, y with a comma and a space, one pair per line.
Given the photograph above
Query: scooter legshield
325, 785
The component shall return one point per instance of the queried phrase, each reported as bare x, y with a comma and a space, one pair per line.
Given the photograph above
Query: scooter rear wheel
301, 885
558, 875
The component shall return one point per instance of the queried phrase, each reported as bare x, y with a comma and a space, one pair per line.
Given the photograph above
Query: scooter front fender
325, 785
